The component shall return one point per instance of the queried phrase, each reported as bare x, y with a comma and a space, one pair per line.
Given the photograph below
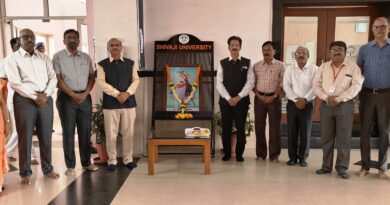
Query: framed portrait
182, 87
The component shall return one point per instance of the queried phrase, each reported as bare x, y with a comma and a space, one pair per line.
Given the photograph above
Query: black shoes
226, 158
343, 173
302, 163
131, 165
291, 162
239, 158
322, 171
111, 167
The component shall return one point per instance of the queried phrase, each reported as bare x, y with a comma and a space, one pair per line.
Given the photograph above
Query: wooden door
316, 28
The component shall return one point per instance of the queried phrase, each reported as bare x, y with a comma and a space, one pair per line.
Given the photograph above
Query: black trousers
299, 130
237, 114
74, 115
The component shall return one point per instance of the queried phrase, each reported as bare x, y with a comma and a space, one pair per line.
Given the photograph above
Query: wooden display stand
153, 150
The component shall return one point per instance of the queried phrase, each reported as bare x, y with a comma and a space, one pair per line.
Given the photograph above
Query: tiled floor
179, 179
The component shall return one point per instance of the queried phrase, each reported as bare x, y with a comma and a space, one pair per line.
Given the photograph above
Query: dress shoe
322, 171
239, 158
343, 173
131, 165
302, 163
362, 173
291, 162
382, 175
111, 167
226, 158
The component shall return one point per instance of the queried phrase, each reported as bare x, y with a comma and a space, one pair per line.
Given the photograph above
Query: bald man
33, 79
118, 78
298, 84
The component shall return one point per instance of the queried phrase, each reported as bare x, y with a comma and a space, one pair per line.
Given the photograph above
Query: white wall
214, 20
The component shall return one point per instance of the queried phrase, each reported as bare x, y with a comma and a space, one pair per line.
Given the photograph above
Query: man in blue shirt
374, 60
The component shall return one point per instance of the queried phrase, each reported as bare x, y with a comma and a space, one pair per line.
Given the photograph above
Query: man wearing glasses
336, 83
374, 60
32, 77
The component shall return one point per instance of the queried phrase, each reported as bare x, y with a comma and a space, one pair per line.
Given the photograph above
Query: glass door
316, 28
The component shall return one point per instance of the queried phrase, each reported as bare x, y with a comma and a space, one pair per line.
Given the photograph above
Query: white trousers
119, 123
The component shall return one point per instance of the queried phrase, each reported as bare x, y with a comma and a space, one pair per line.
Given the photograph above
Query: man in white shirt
33, 79
235, 80
298, 84
12, 141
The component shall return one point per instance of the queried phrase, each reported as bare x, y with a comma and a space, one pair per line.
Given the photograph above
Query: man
336, 83
40, 47
32, 77
15, 44
374, 60
268, 94
234, 83
298, 84
119, 80
76, 78
12, 141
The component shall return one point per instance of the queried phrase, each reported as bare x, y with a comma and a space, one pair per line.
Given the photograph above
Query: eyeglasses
381, 27
26, 37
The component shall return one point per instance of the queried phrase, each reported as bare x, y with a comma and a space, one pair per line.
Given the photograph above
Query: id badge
332, 89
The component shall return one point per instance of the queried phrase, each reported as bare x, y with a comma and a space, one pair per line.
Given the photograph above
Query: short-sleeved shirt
74, 69
375, 62
268, 77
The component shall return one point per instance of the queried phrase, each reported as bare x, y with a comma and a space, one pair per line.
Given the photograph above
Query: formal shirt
344, 81
375, 62
109, 89
298, 82
30, 74
245, 90
73, 68
268, 76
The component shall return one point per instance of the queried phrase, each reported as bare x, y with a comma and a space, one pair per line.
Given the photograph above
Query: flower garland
183, 103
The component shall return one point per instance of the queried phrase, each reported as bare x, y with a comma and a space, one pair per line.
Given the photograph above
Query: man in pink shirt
268, 90
336, 83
